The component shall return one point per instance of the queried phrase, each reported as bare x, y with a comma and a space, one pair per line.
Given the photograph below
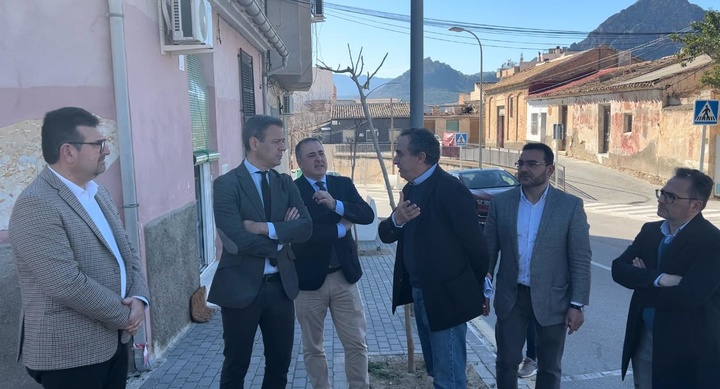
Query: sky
361, 27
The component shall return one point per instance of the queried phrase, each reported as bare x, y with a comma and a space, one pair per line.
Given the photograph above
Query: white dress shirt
528, 222
86, 197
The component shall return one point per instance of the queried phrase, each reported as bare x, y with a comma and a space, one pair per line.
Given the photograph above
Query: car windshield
484, 179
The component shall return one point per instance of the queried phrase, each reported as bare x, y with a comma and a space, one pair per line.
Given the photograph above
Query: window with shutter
199, 106
247, 85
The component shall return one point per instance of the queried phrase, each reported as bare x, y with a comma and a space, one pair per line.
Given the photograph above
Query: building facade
172, 112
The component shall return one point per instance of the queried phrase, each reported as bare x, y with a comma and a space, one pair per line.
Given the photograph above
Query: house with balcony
172, 82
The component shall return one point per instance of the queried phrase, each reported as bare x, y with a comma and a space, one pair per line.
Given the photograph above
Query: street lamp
481, 133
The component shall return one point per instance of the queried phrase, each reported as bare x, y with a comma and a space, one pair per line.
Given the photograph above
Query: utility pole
392, 136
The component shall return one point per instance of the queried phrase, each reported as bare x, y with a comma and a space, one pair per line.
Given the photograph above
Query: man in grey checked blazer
83, 293
543, 277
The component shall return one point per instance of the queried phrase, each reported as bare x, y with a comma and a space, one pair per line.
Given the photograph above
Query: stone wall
173, 268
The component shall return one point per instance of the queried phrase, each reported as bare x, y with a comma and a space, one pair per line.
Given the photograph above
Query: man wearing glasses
673, 326
543, 278
83, 294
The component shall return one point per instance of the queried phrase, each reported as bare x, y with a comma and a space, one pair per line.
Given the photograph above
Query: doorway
563, 120
604, 133
500, 129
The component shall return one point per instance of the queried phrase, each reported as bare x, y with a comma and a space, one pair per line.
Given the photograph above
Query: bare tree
355, 70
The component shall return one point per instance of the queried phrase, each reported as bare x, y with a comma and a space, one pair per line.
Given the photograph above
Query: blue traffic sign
461, 139
706, 112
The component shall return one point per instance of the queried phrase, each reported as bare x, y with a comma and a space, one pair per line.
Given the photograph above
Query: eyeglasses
530, 164
670, 197
101, 143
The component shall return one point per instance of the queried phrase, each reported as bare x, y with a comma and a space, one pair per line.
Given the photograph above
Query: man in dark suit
673, 325
258, 213
543, 276
83, 290
328, 268
441, 258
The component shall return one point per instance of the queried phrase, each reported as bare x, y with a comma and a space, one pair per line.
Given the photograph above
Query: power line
488, 28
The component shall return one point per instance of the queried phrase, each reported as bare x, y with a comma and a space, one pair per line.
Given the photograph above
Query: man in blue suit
328, 268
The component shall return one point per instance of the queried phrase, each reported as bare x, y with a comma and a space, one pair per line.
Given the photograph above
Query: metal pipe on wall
127, 160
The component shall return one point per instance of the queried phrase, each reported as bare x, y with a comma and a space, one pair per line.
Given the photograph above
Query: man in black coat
673, 326
441, 258
328, 268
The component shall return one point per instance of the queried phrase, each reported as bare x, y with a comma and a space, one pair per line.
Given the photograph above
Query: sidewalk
196, 359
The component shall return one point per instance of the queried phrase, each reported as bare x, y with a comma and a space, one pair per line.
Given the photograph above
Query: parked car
484, 184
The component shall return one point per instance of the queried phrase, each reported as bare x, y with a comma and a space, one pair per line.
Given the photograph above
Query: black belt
271, 277
333, 270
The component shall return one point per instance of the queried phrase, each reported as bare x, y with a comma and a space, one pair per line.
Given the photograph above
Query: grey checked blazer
69, 277
560, 264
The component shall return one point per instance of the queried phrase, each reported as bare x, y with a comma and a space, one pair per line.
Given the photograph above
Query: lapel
279, 202
678, 243
69, 197
512, 205
551, 202
247, 186
107, 207
307, 191
429, 185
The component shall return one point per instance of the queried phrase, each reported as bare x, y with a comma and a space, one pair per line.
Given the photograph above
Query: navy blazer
312, 257
451, 253
686, 329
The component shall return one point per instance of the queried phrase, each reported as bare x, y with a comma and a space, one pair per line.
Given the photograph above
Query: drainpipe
263, 24
265, 74
127, 162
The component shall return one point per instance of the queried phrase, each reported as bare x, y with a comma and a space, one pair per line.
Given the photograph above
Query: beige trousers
348, 316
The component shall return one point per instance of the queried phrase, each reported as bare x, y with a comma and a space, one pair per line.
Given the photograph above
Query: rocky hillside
639, 28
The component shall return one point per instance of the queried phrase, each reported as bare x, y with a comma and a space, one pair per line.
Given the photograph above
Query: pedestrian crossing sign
706, 112
461, 139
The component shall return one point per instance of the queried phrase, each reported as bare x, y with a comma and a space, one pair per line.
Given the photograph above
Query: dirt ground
391, 372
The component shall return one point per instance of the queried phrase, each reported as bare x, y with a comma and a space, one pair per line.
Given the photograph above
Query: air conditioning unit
287, 105
192, 22
317, 8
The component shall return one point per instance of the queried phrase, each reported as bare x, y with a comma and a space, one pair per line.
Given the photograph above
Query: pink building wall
160, 117
227, 94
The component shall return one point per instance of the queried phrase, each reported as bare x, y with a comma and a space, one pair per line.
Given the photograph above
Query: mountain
641, 20
442, 84
346, 88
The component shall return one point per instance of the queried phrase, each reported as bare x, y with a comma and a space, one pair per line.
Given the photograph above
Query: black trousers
510, 335
274, 312
111, 374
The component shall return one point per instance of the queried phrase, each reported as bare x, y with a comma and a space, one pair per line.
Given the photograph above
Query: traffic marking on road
641, 212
